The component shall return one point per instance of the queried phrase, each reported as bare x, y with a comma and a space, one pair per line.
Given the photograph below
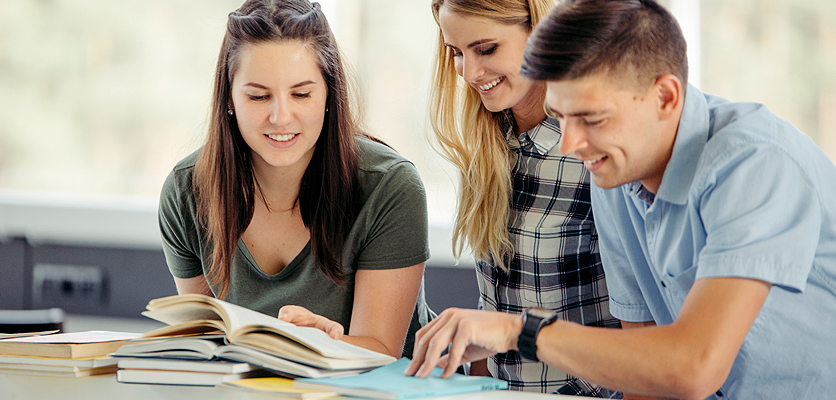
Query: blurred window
106, 96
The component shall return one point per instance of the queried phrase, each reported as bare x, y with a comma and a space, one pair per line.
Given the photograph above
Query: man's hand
474, 335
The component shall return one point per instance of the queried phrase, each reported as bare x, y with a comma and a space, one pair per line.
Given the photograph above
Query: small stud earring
230, 112
326, 109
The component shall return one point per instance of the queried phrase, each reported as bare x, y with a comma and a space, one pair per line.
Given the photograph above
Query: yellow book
277, 386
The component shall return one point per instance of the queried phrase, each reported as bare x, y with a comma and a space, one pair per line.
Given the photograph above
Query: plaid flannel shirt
555, 262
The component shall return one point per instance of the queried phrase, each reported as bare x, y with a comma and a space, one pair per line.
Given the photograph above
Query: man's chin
604, 183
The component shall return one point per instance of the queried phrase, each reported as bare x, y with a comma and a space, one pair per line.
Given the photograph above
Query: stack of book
169, 371
74, 354
314, 360
203, 331
179, 361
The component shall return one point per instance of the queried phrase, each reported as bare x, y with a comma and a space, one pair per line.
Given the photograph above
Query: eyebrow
298, 85
473, 44
575, 114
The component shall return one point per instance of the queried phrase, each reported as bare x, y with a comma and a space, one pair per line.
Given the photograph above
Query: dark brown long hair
225, 186
582, 37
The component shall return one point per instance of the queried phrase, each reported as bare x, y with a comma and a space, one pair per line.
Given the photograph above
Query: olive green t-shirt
390, 232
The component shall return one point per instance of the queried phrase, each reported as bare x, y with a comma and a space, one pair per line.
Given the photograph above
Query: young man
717, 225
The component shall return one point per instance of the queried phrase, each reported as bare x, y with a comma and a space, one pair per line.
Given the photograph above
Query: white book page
242, 320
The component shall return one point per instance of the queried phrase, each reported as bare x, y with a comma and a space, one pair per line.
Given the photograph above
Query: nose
471, 69
571, 138
279, 112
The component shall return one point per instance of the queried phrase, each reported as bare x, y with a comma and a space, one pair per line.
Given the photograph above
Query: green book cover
389, 382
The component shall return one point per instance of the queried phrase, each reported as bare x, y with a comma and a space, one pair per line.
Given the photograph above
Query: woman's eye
302, 95
454, 52
257, 97
488, 51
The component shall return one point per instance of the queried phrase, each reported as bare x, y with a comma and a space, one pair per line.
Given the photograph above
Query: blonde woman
524, 209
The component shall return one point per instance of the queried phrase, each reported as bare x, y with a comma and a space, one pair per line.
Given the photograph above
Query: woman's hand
474, 335
301, 316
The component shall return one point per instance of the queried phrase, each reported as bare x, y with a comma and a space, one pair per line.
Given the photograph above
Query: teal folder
389, 382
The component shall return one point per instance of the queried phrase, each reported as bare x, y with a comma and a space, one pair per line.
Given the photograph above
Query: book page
76, 337
190, 328
185, 312
23, 334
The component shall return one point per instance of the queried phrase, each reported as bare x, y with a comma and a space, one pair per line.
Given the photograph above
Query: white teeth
490, 84
282, 138
589, 163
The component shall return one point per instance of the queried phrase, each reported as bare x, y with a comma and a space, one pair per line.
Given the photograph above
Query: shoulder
178, 184
187, 162
749, 146
379, 162
742, 132
385, 174
739, 121
377, 157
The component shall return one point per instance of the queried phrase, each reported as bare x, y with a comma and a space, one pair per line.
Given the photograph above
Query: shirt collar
690, 141
544, 135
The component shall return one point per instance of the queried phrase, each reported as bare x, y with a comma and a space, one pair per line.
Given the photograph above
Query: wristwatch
534, 319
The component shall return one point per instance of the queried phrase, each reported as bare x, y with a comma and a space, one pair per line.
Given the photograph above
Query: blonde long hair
471, 137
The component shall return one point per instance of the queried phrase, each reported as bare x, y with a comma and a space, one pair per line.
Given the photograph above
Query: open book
254, 334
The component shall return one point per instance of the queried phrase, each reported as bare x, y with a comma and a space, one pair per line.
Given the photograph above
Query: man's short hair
584, 37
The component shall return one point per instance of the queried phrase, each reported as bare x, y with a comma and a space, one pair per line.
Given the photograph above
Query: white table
24, 387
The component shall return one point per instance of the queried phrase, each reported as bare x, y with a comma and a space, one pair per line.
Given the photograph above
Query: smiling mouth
490, 85
282, 138
592, 164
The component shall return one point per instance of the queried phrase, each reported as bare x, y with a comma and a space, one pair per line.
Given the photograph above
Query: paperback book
66, 345
56, 371
389, 382
181, 378
60, 367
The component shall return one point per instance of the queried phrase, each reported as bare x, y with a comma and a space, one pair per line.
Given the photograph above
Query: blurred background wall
99, 99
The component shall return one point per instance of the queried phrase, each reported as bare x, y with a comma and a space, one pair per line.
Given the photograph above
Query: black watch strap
534, 319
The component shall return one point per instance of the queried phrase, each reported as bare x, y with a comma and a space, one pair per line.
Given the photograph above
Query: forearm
373, 344
193, 285
646, 361
384, 302
690, 358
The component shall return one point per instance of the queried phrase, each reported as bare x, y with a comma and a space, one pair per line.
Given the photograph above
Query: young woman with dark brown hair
288, 208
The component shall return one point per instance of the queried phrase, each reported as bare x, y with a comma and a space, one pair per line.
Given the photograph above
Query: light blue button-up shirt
745, 194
